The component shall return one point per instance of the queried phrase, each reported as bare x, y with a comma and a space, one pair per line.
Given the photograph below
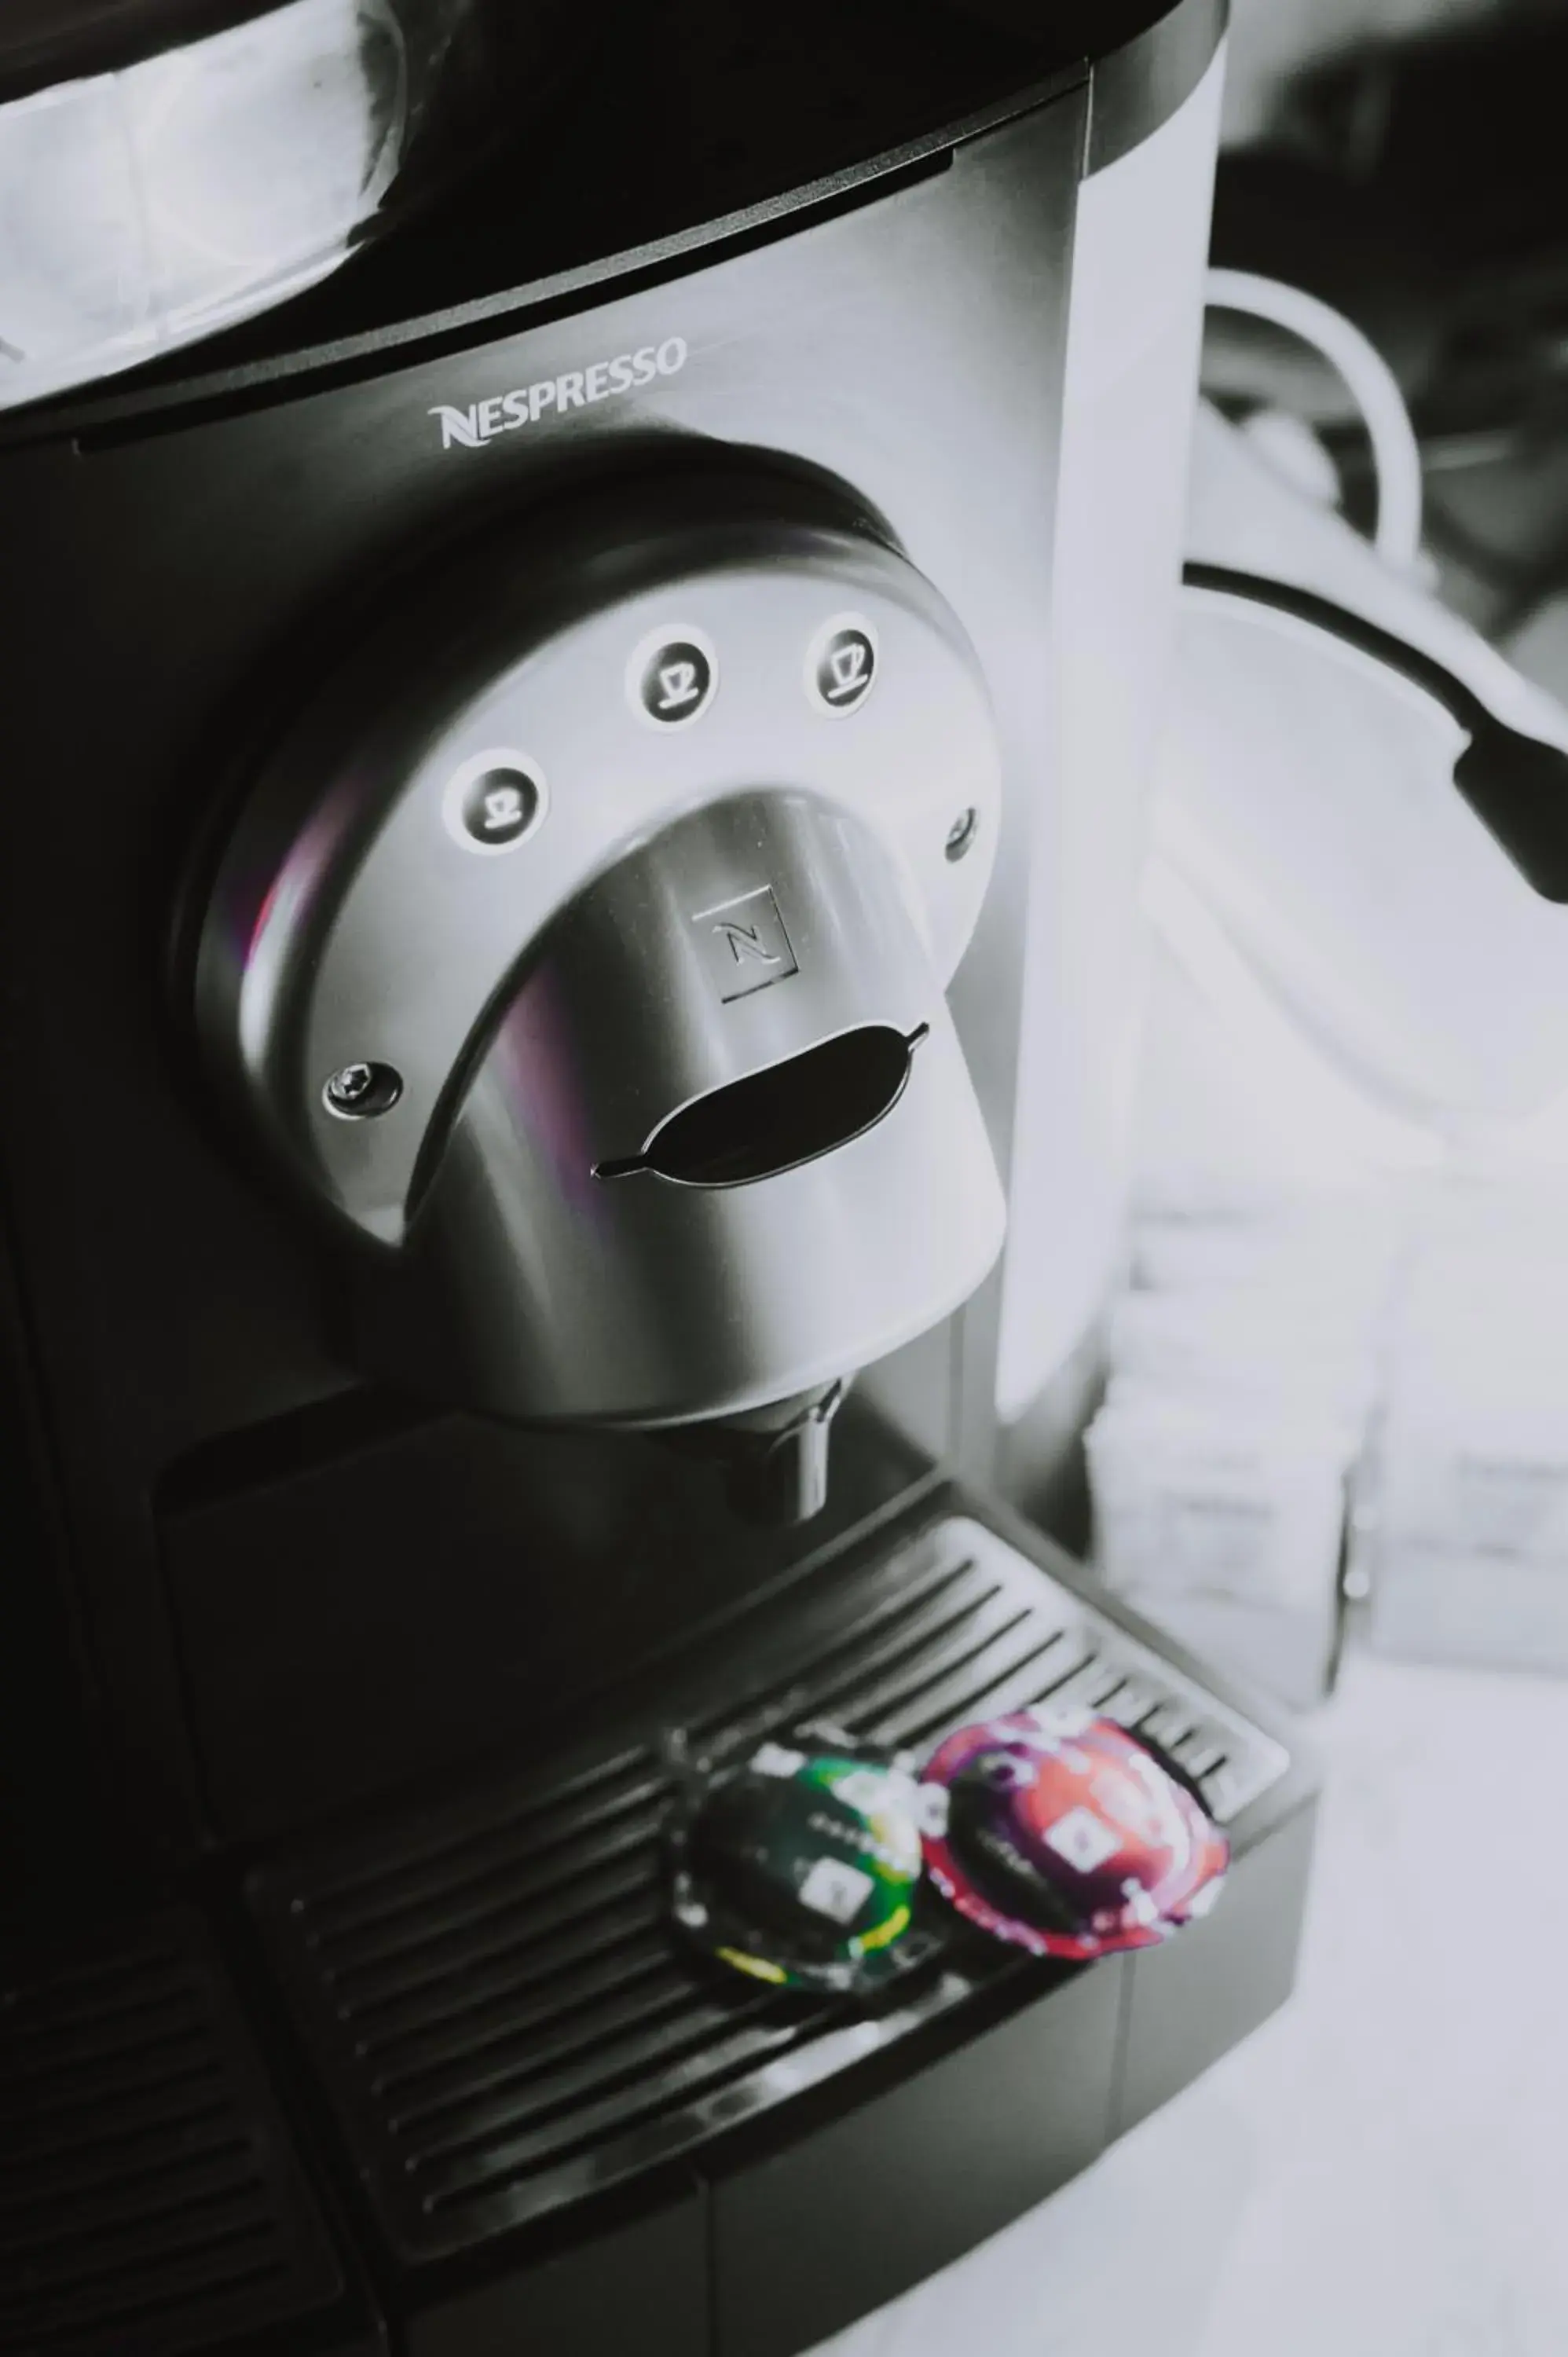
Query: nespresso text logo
577, 389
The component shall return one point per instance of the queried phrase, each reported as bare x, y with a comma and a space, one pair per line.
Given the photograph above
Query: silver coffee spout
775, 1462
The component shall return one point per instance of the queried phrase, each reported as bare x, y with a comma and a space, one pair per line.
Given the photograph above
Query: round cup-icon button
672, 677
497, 806
493, 803
841, 665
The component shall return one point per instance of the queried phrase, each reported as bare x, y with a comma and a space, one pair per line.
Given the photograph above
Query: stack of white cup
1463, 1503
1243, 1373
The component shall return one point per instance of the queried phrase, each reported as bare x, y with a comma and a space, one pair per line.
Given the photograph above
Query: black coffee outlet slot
775, 1120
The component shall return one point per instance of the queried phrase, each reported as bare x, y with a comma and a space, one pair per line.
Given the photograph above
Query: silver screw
962, 831
346, 1087
360, 1090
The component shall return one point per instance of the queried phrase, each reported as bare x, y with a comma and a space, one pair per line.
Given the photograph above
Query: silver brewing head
774, 1462
583, 952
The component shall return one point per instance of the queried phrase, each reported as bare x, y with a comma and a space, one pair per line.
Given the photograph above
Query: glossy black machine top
678, 127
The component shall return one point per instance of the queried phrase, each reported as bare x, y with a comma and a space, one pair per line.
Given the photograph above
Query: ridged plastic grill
147, 2202
493, 2000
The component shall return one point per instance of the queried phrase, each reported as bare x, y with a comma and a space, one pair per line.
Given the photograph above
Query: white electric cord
1396, 454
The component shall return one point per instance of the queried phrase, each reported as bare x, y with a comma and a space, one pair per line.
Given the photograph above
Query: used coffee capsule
801, 1867
1061, 1833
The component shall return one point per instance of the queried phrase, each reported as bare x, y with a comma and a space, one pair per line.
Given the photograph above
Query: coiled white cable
1396, 454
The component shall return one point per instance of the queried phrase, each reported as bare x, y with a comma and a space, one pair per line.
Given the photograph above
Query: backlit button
672, 677
840, 664
494, 801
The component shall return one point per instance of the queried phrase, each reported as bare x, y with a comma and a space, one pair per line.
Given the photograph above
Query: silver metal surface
733, 879
347, 925
535, 1286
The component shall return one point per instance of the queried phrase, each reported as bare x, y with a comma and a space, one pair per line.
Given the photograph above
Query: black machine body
567, 698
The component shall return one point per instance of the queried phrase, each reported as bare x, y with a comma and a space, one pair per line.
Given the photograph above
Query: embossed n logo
743, 943
746, 942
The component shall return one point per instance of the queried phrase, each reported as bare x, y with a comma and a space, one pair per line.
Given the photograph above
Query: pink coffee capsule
1061, 1833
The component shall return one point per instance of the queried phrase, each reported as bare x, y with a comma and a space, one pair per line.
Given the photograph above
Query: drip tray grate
488, 1989
148, 2199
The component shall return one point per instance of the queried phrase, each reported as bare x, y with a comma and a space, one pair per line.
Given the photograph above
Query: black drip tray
489, 1992
148, 2200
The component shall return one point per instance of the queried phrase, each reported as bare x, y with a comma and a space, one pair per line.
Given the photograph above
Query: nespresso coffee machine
571, 805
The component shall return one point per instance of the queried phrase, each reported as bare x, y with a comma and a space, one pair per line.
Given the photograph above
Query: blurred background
1404, 158
1342, 1246
1275, 43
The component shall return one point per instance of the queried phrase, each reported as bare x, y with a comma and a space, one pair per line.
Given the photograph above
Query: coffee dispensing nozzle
591, 966
775, 1462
